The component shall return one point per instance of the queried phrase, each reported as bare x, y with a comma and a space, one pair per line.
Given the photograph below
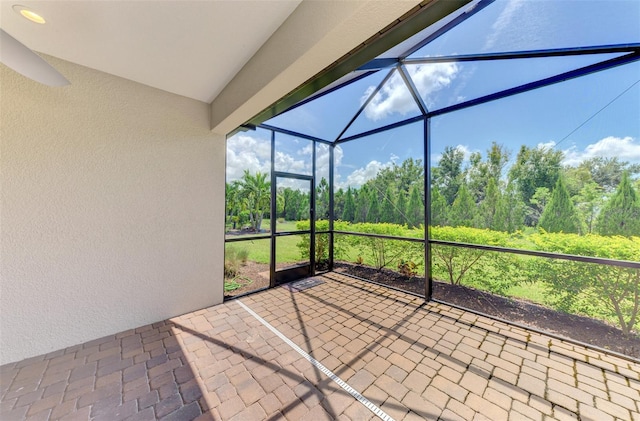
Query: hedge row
605, 292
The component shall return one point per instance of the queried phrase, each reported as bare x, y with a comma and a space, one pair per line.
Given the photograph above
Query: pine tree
537, 204
439, 208
374, 208
486, 217
362, 204
322, 199
534, 168
463, 209
621, 214
387, 208
560, 215
415, 209
448, 174
349, 212
590, 199
510, 210
401, 209
338, 203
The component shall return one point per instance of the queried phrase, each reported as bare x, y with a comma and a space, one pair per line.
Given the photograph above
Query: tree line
599, 195
596, 196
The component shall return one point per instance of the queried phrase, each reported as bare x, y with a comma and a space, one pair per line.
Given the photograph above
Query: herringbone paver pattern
412, 359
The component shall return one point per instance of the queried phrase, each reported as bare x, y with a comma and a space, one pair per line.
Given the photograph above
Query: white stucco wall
112, 204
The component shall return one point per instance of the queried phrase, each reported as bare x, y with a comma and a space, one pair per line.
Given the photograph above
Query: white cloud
503, 23
431, 78
364, 174
395, 97
322, 159
247, 153
307, 150
253, 154
287, 163
466, 152
547, 145
624, 148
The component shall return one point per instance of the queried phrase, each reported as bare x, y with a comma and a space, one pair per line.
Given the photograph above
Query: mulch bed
252, 276
583, 329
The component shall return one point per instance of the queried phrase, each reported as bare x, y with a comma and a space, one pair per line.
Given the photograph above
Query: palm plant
255, 193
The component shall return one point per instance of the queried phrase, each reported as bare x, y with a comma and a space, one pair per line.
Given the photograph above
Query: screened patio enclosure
495, 154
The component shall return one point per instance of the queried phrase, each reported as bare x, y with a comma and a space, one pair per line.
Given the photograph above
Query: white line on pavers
366, 402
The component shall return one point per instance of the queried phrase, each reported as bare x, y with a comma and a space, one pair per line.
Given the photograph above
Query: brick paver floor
409, 359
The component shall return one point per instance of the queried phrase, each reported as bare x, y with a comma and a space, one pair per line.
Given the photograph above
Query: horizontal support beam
546, 254
558, 52
381, 129
385, 237
248, 238
293, 133
583, 71
534, 253
284, 174
289, 233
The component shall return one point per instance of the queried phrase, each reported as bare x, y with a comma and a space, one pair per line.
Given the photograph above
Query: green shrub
234, 259
596, 290
600, 291
382, 252
242, 255
322, 241
486, 270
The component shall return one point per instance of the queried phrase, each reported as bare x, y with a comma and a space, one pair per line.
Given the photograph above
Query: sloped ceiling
190, 48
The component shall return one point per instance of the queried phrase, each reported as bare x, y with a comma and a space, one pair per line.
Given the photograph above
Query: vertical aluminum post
331, 205
312, 213
428, 284
274, 209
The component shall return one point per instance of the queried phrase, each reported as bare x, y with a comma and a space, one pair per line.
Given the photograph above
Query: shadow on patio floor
406, 358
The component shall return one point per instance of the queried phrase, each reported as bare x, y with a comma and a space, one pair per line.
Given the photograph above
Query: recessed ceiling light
29, 14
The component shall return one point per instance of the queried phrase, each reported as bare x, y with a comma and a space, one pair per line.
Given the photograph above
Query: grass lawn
288, 252
260, 250
284, 226
532, 291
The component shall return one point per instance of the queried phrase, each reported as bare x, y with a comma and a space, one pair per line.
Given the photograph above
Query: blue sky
571, 116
